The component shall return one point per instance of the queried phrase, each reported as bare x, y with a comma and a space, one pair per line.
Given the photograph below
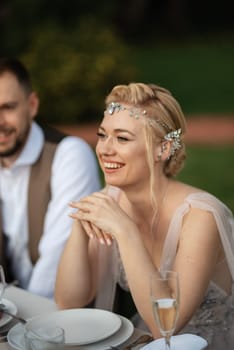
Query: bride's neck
140, 201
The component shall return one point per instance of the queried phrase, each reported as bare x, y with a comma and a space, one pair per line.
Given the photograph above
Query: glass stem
168, 343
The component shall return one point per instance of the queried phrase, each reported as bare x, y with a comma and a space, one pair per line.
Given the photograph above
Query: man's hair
16, 67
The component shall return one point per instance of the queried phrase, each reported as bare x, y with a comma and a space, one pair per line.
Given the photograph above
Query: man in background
40, 173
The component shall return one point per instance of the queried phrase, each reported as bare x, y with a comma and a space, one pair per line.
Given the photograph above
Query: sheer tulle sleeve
108, 266
224, 221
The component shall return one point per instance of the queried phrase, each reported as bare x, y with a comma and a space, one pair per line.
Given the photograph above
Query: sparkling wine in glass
164, 289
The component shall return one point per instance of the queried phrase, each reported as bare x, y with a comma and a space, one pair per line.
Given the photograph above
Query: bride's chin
113, 183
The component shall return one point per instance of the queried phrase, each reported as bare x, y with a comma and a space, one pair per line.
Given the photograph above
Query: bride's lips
112, 166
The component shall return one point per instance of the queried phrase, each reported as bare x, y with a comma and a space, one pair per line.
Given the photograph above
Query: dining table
30, 305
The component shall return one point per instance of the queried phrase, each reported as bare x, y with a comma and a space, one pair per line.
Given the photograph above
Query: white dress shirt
74, 175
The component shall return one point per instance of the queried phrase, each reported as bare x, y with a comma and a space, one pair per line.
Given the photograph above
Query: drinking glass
46, 337
164, 289
2, 283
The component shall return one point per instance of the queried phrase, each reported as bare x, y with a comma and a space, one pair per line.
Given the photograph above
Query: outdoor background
77, 50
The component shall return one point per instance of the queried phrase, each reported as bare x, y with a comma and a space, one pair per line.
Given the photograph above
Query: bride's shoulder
196, 199
180, 192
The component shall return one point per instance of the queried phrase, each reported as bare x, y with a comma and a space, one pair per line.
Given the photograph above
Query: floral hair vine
172, 136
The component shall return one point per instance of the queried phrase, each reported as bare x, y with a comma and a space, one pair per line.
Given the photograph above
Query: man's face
17, 110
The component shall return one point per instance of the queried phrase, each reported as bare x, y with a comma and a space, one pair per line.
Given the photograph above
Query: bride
145, 220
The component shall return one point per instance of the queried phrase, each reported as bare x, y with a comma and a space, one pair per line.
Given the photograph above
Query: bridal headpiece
172, 136
117, 107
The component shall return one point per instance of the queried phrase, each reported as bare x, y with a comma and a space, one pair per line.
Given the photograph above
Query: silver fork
4, 309
5, 329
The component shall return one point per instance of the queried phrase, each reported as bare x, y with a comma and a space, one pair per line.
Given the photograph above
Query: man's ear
34, 102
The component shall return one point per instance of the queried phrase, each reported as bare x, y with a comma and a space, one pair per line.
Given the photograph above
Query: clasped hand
101, 217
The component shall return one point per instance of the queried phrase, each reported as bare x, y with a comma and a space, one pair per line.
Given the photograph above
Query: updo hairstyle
164, 114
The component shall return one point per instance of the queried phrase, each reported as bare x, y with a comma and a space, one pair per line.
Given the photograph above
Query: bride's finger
88, 228
80, 215
108, 238
98, 234
104, 238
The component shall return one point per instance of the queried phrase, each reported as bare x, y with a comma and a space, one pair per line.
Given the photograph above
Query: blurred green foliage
211, 168
73, 70
198, 71
78, 50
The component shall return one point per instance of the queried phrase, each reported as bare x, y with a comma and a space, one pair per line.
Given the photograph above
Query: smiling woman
121, 134
145, 221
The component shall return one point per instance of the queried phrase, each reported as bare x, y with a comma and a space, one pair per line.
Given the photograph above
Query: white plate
124, 333
81, 326
15, 337
11, 307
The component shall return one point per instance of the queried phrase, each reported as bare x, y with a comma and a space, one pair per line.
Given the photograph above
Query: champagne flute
164, 290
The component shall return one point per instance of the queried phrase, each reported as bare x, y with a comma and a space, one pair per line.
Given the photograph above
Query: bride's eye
122, 139
101, 135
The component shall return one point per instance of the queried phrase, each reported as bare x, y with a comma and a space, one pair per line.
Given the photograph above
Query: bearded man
40, 173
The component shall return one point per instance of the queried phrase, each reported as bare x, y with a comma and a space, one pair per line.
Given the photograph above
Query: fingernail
108, 241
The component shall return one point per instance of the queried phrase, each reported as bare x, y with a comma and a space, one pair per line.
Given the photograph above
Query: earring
160, 156
163, 148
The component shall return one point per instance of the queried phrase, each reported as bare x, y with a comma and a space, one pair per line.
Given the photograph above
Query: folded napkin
179, 342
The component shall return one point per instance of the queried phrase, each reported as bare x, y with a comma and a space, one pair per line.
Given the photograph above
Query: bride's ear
162, 151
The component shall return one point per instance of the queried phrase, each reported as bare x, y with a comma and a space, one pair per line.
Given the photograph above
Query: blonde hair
165, 115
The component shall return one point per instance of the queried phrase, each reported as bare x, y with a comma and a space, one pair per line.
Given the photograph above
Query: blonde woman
145, 220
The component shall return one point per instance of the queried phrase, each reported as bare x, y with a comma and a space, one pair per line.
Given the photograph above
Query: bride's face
121, 150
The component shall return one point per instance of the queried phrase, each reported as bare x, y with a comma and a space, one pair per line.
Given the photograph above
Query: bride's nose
107, 146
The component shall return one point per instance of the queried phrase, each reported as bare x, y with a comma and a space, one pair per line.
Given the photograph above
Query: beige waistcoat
38, 198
